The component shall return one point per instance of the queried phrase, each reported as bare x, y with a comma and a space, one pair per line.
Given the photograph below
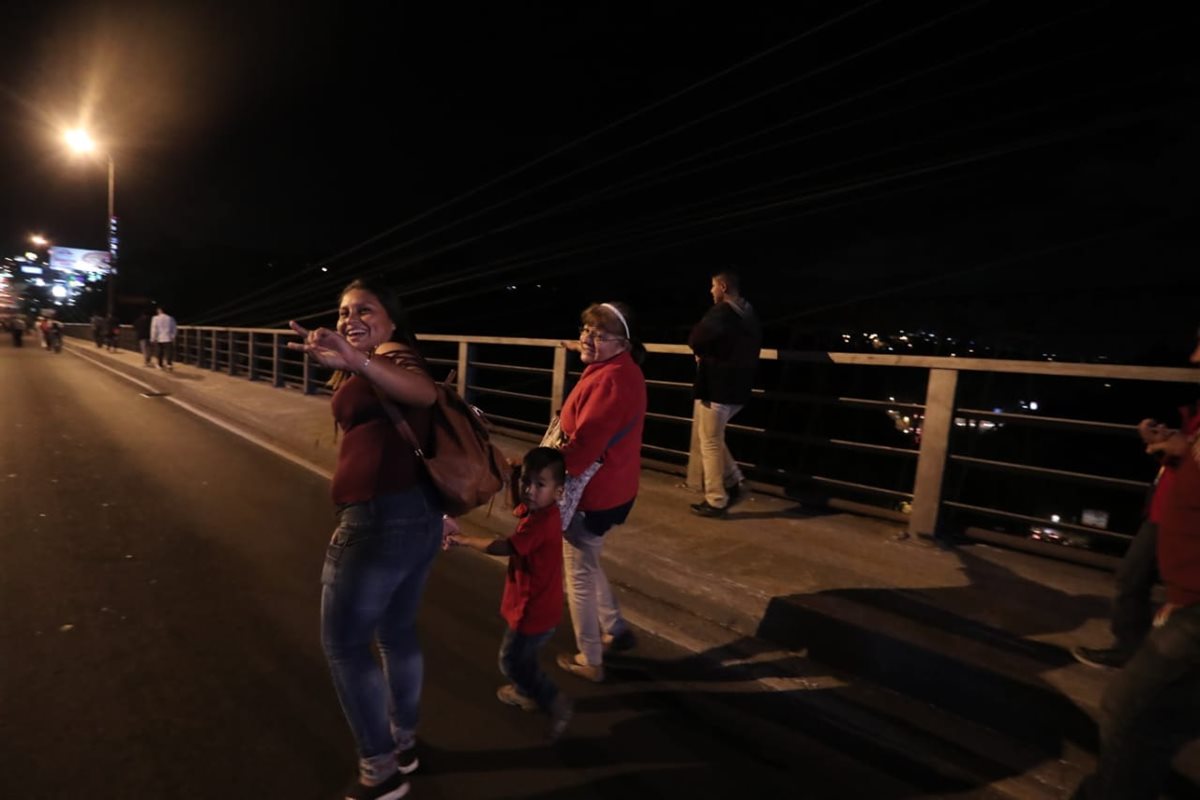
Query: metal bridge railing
906, 437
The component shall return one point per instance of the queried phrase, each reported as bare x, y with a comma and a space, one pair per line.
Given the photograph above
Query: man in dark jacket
726, 343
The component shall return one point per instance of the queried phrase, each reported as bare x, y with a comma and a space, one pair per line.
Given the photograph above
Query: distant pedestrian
141, 329
112, 332
389, 531
726, 343
16, 327
601, 423
162, 333
99, 329
533, 593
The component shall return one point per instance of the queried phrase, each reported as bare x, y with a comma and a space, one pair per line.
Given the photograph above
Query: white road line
191, 409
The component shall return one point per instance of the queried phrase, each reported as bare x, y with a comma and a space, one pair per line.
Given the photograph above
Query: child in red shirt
533, 594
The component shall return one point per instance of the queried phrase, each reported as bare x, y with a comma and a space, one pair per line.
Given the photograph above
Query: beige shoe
509, 695
576, 665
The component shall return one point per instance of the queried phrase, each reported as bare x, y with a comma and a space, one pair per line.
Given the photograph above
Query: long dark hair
390, 301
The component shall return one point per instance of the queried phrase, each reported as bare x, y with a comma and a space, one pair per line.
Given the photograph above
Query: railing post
232, 357
250, 371
215, 365
559, 381
935, 446
305, 376
276, 376
464, 364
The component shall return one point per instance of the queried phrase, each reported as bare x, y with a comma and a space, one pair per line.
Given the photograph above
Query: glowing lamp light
79, 141
59, 291
1055, 518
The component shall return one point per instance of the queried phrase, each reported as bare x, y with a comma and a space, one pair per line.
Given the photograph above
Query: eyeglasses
597, 335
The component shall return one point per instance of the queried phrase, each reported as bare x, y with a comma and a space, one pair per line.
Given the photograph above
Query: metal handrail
260, 353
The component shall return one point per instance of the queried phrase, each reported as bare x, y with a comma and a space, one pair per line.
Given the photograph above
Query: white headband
620, 316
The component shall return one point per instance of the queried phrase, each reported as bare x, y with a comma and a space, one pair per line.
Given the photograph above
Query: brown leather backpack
465, 466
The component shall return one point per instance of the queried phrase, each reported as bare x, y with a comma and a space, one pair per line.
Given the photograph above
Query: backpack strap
402, 427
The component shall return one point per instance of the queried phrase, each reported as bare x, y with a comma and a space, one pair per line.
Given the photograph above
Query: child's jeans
519, 663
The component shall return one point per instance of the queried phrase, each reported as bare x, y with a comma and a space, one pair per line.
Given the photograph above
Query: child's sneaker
509, 695
407, 761
393, 788
561, 711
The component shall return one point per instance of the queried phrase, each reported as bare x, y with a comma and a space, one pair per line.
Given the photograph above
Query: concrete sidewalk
958, 660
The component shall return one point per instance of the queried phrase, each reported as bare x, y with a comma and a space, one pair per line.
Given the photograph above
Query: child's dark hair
540, 458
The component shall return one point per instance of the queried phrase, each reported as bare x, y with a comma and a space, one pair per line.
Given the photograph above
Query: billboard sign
72, 259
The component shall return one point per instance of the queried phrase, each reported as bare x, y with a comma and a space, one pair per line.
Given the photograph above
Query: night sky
1023, 173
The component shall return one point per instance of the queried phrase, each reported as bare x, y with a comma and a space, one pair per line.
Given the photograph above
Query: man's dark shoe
705, 510
393, 788
734, 493
1101, 658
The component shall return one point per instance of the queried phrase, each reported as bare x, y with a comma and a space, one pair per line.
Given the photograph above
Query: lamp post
79, 141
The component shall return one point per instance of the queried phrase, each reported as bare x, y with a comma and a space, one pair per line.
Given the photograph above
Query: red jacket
609, 398
1179, 528
533, 588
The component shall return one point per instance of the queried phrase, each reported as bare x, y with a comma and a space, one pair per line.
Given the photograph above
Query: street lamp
38, 240
79, 141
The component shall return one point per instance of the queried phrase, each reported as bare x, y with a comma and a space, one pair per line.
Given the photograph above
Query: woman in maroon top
602, 419
389, 530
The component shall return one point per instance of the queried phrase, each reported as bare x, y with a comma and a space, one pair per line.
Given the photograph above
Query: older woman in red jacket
602, 419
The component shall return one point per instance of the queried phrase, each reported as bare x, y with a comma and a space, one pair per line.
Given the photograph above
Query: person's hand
454, 540
1174, 446
572, 344
1151, 430
450, 532
328, 347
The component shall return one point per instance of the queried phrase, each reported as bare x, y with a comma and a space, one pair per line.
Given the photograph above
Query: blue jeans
375, 571
1149, 711
519, 663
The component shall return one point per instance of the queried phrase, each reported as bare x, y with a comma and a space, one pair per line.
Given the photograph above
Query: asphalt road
158, 635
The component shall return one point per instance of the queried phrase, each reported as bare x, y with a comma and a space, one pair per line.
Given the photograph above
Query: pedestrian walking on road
726, 343
162, 333
141, 329
601, 425
389, 530
16, 327
112, 332
533, 593
99, 329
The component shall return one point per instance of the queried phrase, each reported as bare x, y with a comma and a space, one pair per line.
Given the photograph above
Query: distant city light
59, 291
1033, 406
1055, 518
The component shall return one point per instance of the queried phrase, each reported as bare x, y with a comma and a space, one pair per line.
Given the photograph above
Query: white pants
594, 610
711, 467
